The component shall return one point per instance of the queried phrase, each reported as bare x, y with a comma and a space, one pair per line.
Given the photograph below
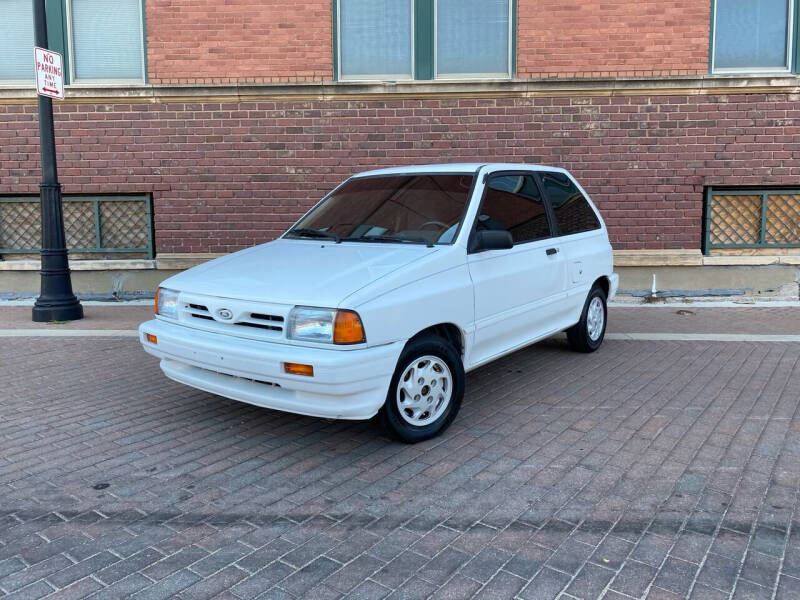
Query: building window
101, 41
753, 36
391, 40
105, 40
754, 218
376, 39
473, 38
16, 41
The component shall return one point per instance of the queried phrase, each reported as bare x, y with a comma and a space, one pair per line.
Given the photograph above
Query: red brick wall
225, 176
575, 38
210, 41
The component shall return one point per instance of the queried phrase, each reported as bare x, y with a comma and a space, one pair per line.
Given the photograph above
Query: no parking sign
49, 73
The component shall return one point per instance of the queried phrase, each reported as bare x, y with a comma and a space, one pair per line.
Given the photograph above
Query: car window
570, 207
400, 208
513, 203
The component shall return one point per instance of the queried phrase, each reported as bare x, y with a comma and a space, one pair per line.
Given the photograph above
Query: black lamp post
56, 301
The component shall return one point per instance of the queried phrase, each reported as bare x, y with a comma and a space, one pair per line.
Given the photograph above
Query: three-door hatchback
387, 291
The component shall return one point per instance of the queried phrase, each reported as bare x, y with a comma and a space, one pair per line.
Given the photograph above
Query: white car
386, 292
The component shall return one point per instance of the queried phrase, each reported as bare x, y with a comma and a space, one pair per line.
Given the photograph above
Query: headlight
325, 325
167, 303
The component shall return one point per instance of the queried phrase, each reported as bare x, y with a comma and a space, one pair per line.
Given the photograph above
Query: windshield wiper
314, 233
388, 239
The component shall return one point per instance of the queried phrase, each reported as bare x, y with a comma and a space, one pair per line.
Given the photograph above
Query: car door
518, 291
582, 242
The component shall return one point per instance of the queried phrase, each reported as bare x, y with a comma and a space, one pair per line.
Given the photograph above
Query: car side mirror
490, 239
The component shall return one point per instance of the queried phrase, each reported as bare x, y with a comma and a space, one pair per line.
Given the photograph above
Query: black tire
578, 335
398, 426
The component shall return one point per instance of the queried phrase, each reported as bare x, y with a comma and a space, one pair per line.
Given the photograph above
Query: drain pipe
653, 297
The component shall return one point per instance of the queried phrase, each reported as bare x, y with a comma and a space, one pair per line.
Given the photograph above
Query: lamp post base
47, 311
56, 301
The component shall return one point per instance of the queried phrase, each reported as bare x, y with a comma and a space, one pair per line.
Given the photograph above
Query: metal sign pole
56, 301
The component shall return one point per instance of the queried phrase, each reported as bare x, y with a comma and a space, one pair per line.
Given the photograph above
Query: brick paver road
659, 469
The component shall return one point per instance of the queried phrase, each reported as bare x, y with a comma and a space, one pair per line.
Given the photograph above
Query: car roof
458, 168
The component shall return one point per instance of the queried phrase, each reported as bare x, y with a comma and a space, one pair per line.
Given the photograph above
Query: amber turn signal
347, 328
151, 338
158, 291
298, 369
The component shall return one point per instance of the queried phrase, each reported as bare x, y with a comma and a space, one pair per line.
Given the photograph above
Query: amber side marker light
151, 338
155, 307
298, 369
347, 328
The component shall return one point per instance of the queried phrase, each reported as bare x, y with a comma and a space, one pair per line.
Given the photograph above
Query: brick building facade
245, 116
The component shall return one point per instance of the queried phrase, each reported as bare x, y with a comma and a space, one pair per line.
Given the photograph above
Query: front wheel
587, 334
426, 390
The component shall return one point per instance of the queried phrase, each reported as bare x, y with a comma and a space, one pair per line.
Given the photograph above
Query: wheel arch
448, 331
605, 284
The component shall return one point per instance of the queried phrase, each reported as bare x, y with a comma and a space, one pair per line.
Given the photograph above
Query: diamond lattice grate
20, 225
735, 219
783, 219
124, 224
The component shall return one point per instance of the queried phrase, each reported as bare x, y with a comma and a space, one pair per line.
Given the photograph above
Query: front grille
198, 311
267, 317
248, 320
260, 326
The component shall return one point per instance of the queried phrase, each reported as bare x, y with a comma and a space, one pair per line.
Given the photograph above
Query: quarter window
753, 36
423, 39
570, 207
513, 203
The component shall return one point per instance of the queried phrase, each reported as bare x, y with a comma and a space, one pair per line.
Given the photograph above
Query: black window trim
556, 231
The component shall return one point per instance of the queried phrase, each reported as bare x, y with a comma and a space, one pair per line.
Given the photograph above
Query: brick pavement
648, 469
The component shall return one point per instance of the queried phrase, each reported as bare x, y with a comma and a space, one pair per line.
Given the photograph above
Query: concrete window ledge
164, 262
82, 265
622, 258
694, 258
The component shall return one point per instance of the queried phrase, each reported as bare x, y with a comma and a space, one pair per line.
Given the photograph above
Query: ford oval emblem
224, 314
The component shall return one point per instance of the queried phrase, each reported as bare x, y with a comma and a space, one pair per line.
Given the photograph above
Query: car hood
315, 273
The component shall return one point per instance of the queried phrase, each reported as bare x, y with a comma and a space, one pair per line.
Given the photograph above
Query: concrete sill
622, 258
658, 258
694, 258
234, 92
82, 265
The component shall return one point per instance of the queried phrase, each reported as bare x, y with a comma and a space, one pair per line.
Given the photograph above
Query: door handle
551, 251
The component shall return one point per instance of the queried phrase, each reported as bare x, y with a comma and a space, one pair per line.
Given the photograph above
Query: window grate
98, 224
752, 219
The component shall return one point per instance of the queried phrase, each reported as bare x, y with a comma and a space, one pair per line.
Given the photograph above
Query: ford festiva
386, 292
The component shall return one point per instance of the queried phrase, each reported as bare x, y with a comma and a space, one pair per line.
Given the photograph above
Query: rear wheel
426, 390
588, 333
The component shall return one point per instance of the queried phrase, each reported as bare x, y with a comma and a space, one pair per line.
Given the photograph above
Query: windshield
422, 209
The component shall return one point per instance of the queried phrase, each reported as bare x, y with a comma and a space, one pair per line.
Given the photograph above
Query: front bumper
347, 384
